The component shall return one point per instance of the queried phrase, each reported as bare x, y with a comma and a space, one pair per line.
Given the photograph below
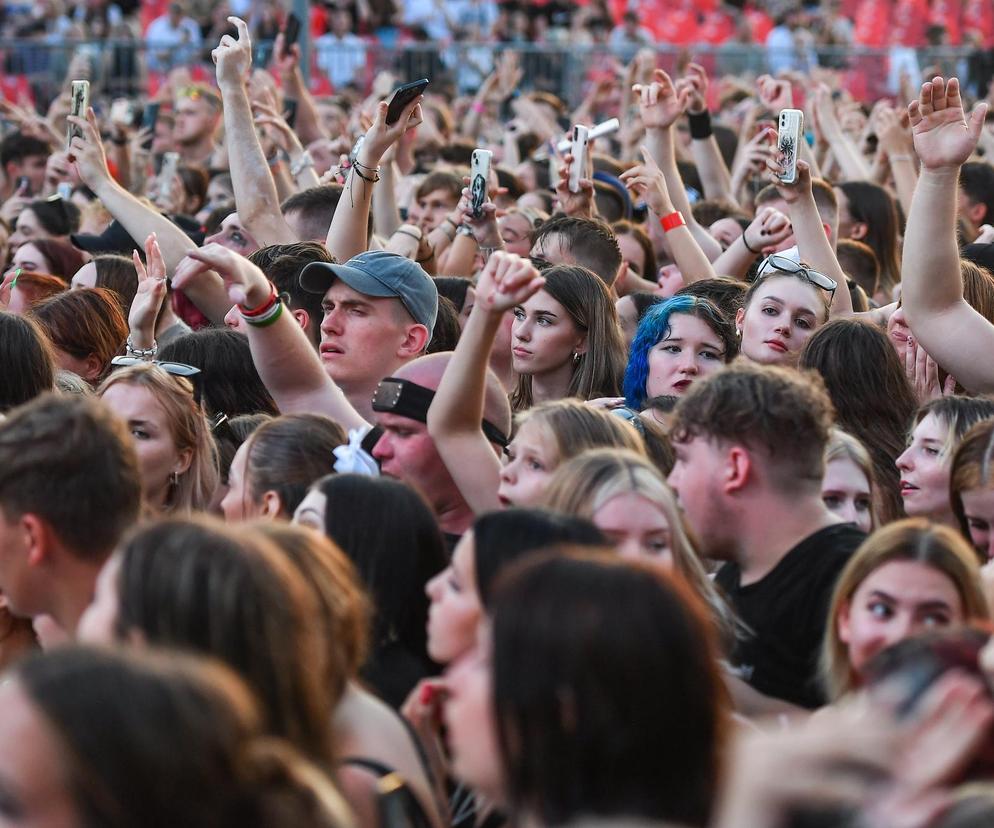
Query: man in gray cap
379, 312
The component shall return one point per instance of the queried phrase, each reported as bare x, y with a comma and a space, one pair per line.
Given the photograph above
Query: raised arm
850, 160
648, 181
704, 148
347, 236
256, 197
813, 244
768, 229
660, 104
457, 411
953, 333
894, 131
285, 359
308, 123
140, 220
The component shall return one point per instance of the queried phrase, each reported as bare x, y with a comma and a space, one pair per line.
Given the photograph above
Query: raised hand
574, 204
87, 150
506, 282
696, 78
775, 94
647, 181
923, 374
233, 56
381, 135
246, 284
660, 103
149, 296
791, 193
944, 137
768, 229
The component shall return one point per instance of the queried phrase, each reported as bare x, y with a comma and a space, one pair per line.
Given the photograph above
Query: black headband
408, 399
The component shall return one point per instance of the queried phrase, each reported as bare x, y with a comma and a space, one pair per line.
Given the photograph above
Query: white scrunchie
353, 458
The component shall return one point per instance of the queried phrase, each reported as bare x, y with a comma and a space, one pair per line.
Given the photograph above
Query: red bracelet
672, 221
264, 307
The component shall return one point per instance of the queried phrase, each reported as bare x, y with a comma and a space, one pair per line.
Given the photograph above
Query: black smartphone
291, 31
402, 96
149, 118
290, 111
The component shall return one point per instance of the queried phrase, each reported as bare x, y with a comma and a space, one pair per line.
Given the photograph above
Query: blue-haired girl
682, 339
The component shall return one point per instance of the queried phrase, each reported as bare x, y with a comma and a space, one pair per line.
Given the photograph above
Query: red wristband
672, 221
265, 306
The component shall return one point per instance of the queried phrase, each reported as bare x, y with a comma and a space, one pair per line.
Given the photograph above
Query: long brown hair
597, 372
972, 468
203, 586
84, 323
871, 394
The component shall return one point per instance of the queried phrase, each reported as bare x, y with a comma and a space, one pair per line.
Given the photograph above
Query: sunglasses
773, 264
176, 369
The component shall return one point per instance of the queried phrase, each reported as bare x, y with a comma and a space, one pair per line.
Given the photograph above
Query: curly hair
655, 327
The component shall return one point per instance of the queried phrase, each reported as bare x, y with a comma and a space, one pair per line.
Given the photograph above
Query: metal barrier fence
122, 67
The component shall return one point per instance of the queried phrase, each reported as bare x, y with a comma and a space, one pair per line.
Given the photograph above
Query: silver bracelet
301, 164
142, 353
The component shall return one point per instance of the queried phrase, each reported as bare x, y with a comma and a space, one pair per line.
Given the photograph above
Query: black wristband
745, 241
700, 125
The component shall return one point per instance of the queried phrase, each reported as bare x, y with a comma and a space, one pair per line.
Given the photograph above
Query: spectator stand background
128, 47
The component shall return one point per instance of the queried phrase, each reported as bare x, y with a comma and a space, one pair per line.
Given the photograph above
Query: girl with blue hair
677, 342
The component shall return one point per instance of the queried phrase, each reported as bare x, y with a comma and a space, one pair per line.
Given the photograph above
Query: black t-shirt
787, 611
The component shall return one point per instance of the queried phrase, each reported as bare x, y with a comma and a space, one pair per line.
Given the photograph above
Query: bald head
427, 371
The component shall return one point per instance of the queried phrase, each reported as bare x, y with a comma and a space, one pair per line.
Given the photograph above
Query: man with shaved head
405, 449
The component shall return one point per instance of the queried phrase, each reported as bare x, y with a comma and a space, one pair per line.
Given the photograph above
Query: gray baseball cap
382, 274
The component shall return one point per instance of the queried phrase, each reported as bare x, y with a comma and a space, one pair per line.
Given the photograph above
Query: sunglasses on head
773, 264
176, 369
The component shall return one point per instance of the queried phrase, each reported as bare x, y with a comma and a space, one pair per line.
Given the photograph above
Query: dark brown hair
67, 460
187, 720
198, 585
117, 273
84, 323
873, 205
579, 642
872, 397
780, 412
860, 263
626, 228
287, 454
972, 468
27, 368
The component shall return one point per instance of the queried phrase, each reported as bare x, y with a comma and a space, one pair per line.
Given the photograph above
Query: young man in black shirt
749, 442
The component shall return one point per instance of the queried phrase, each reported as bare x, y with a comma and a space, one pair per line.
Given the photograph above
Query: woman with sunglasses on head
176, 452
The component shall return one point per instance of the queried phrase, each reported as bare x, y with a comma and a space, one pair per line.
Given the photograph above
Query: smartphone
149, 119
80, 102
290, 111
578, 149
291, 32
606, 128
23, 182
479, 175
790, 135
402, 96
170, 166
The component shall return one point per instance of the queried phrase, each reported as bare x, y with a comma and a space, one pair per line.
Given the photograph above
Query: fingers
241, 26
139, 266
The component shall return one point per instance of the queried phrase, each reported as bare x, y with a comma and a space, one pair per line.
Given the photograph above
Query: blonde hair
913, 539
584, 484
843, 446
187, 424
573, 427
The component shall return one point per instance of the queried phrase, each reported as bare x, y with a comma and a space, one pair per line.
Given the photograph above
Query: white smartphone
608, 127
170, 166
578, 149
121, 112
479, 175
80, 103
789, 138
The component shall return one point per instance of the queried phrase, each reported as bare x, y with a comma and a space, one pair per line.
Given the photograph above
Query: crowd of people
652, 486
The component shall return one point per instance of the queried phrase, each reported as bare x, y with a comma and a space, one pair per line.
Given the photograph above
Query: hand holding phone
402, 97
479, 175
79, 104
578, 149
291, 32
790, 135
149, 119
170, 166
